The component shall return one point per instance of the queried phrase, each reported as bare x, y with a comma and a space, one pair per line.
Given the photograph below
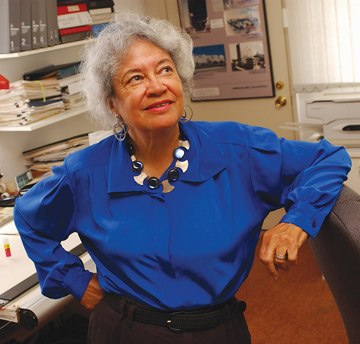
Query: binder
100, 4
72, 16
43, 24
98, 28
71, 2
10, 26
50, 22
71, 30
55, 22
25, 17
35, 25
58, 72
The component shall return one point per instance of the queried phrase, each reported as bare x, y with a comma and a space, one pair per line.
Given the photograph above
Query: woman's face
148, 93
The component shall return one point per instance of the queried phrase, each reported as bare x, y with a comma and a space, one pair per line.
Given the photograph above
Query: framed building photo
231, 48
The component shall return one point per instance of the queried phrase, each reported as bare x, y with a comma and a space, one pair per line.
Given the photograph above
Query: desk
30, 309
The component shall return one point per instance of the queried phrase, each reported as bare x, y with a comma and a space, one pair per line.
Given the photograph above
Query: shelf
45, 50
47, 121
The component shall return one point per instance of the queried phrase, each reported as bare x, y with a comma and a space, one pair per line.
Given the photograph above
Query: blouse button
313, 224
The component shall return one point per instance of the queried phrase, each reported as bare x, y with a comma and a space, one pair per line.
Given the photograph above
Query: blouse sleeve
305, 178
44, 217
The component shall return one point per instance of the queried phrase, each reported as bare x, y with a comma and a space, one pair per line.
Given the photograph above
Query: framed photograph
231, 48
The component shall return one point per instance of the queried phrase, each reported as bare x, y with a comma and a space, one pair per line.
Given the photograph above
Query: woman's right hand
93, 293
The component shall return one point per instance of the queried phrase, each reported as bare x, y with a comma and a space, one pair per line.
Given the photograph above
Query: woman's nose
155, 86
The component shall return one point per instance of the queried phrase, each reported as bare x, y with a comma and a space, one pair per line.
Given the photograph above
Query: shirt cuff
305, 216
76, 281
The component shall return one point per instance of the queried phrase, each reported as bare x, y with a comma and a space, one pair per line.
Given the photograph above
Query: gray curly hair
102, 58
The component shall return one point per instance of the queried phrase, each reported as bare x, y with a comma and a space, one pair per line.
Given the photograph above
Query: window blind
324, 43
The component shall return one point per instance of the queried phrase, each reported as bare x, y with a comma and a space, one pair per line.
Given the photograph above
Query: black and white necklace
172, 173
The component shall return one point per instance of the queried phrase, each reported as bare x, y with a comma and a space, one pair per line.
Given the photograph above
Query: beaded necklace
172, 173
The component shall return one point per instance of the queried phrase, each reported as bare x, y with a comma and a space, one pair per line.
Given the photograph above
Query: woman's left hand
93, 293
280, 245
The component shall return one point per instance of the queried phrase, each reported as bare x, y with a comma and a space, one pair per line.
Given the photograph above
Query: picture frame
231, 48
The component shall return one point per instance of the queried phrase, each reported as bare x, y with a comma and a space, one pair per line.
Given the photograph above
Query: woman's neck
155, 151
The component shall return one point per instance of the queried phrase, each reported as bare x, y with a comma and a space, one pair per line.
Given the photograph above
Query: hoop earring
120, 135
184, 118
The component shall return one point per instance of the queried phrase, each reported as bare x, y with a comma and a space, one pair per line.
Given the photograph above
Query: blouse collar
205, 161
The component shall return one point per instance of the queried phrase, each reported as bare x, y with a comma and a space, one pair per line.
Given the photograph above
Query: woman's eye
166, 69
136, 78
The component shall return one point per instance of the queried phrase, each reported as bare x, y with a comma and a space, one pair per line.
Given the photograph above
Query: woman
169, 210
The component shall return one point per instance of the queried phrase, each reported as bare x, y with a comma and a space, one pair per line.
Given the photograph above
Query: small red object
4, 83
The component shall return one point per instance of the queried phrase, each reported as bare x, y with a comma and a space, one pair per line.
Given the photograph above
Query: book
74, 37
43, 24
101, 11
70, 92
10, 26
26, 27
56, 72
73, 88
64, 82
72, 16
101, 17
35, 24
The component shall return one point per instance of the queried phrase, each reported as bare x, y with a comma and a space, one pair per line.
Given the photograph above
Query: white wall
12, 144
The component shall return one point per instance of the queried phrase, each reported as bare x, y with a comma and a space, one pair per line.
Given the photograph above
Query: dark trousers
108, 326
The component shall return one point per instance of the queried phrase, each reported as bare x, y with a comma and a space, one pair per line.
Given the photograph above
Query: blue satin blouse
192, 247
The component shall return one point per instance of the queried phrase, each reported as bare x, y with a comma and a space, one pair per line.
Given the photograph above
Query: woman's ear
112, 106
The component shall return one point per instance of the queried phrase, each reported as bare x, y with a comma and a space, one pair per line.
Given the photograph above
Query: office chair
337, 252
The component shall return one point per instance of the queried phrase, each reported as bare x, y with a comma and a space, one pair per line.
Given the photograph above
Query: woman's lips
159, 105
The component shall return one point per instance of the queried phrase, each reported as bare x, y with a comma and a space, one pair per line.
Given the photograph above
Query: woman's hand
284, 240
93, 293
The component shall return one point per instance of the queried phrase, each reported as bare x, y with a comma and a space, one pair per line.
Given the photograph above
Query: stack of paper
70, 91
69, 81
6, 214
30, 101
43, 158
